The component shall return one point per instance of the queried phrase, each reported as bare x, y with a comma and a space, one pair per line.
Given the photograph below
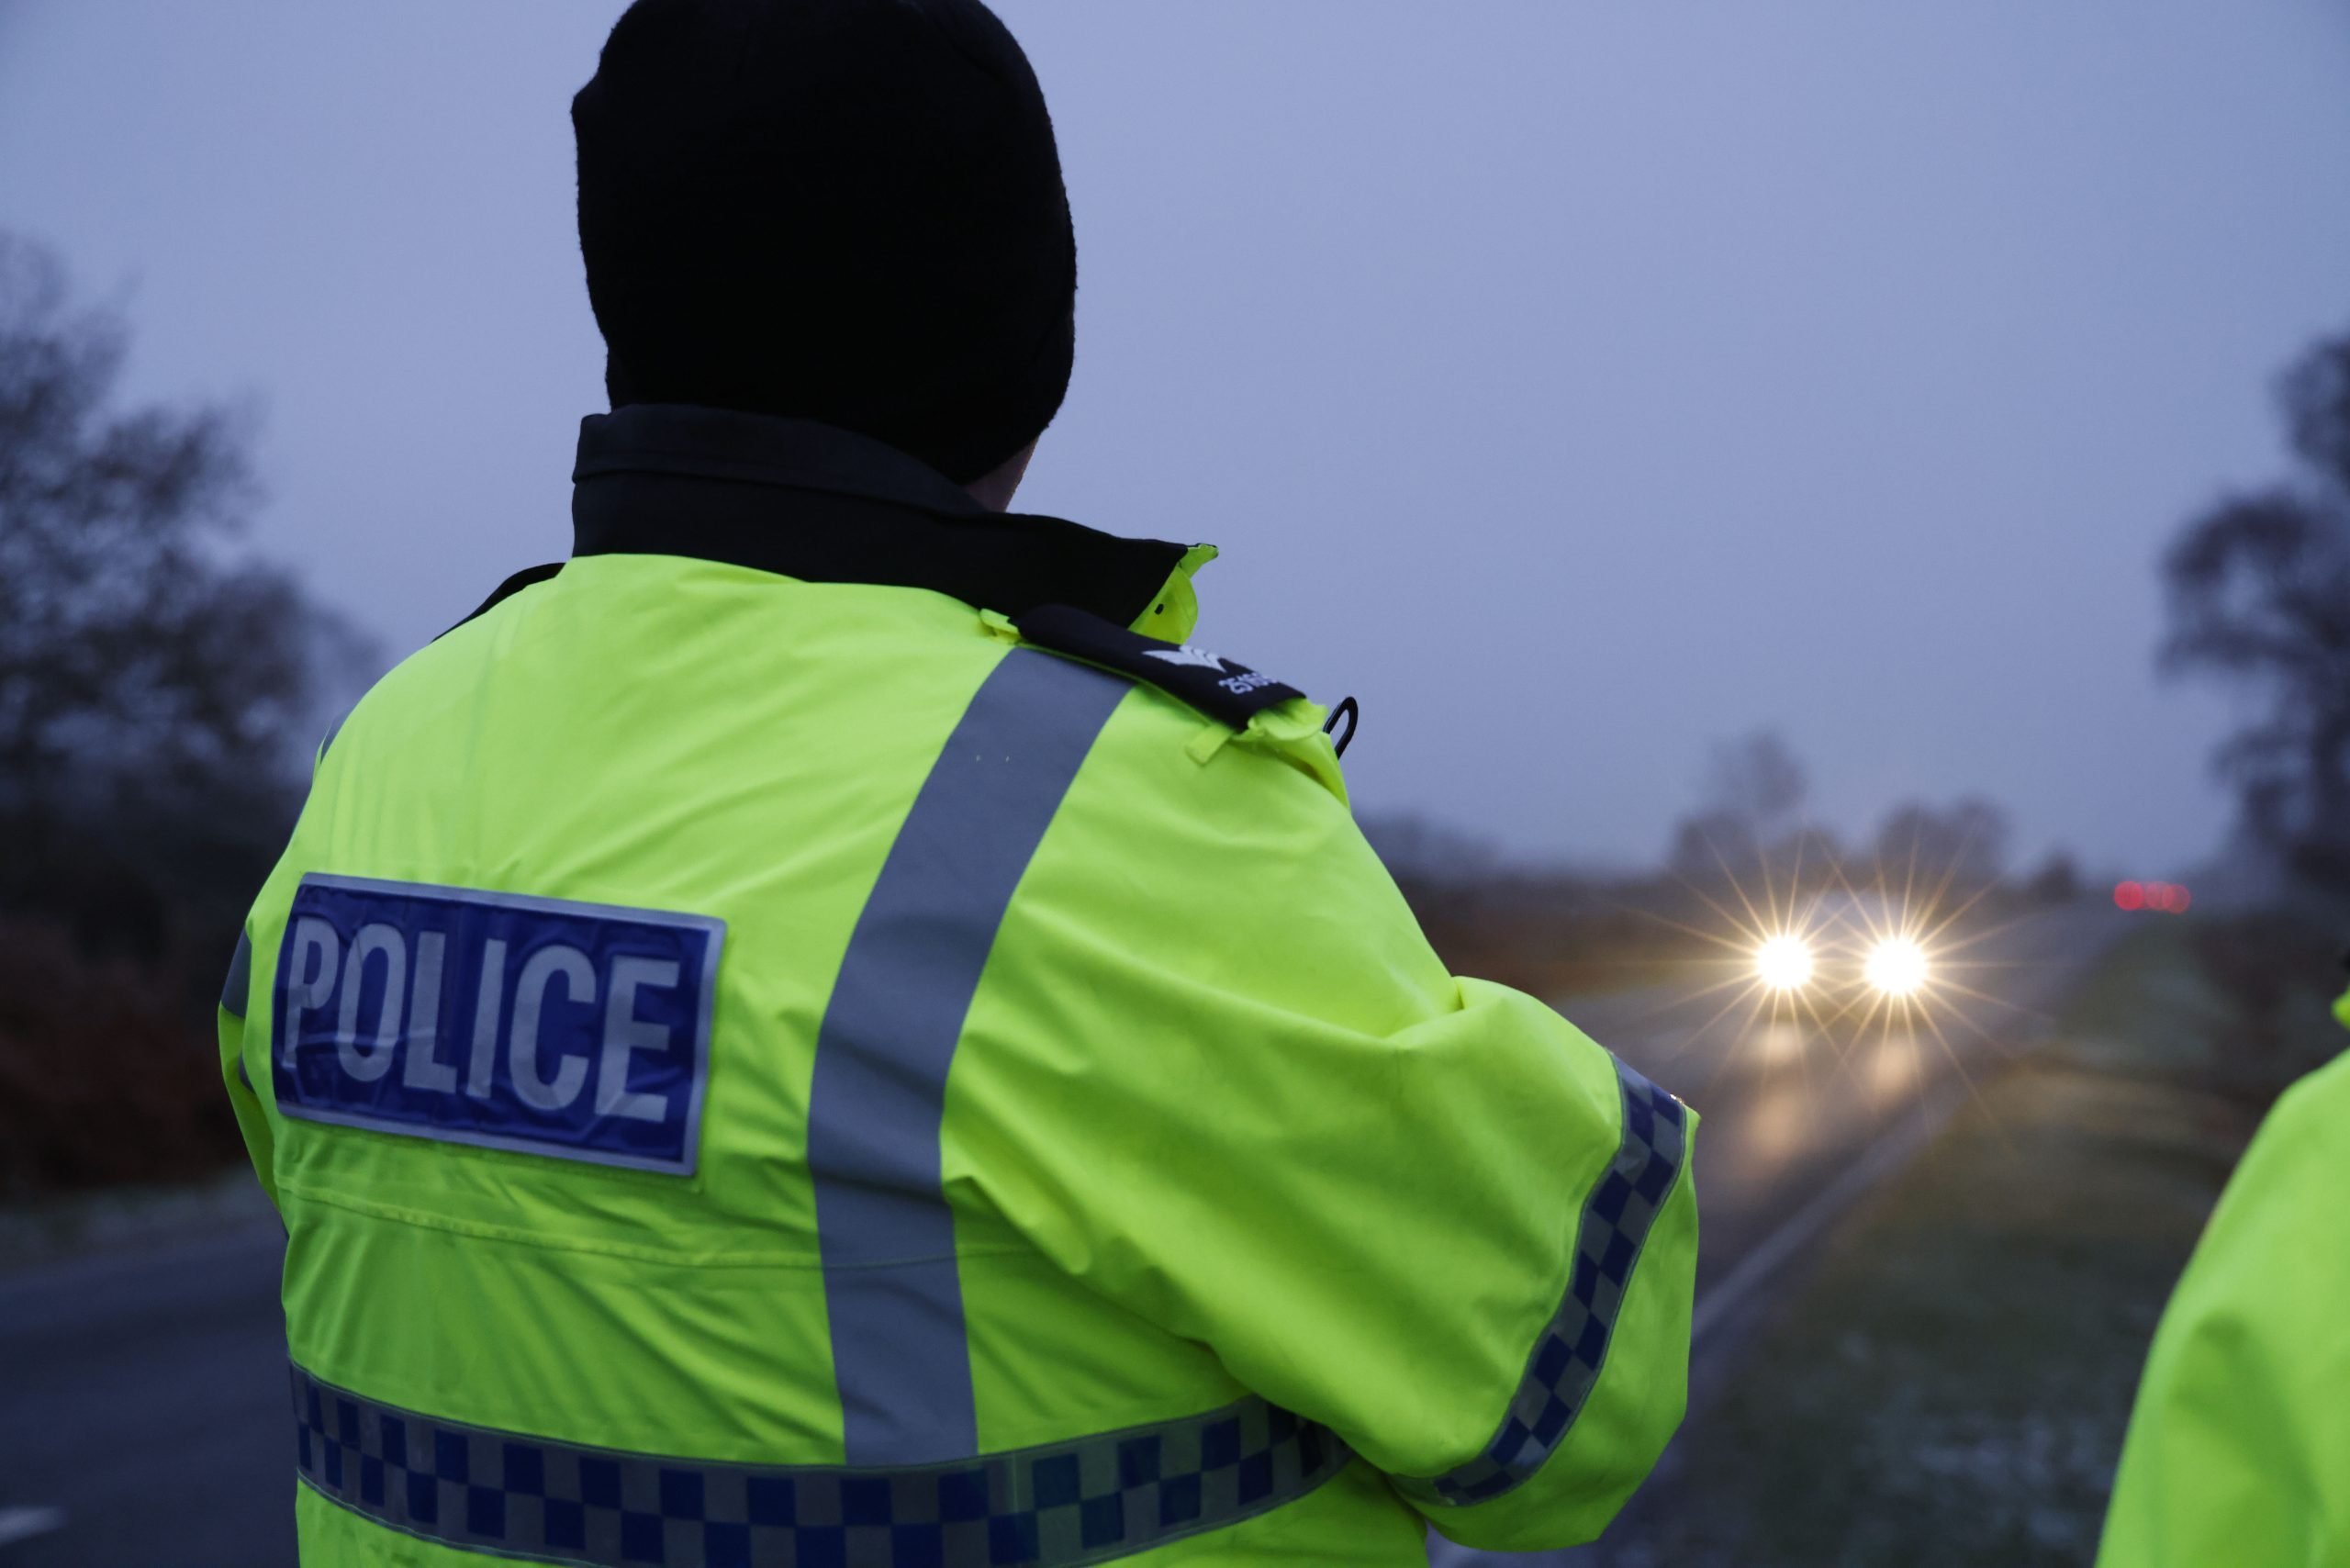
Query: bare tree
156, 688
1962, 847
158, 695
2259, 595
2058, 880
1752, 804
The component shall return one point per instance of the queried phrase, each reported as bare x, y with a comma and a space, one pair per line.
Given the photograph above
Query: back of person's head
843, 210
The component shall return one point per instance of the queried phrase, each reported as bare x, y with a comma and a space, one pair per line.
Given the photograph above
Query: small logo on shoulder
1188, 655
579, 1031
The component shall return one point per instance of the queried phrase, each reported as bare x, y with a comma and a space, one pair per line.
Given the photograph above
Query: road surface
1799, 1121
143, 1419
1789, 1106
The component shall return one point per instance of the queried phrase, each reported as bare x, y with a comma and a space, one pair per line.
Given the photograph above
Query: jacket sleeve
236, 1001
2239, 1444
1425, 1211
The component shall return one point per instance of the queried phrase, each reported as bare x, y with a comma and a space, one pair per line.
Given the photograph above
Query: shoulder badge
1215, 684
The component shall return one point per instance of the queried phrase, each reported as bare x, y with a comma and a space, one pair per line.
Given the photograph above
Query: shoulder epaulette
1217, 687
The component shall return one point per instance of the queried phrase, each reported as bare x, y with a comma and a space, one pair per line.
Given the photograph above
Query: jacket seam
492, 1231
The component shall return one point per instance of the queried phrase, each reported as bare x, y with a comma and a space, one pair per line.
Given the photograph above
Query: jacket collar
810, 501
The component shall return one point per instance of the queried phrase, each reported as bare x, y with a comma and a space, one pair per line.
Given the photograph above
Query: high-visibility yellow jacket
774, 1046
2238, 1455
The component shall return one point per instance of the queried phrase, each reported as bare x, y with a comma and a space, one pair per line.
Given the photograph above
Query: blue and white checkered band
542, 1025
1052, 1506
1567, 1357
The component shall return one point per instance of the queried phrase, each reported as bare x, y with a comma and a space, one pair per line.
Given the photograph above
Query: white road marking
23, 1524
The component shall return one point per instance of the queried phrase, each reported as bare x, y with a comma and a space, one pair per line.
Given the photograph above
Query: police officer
2239, 1445
825, 1030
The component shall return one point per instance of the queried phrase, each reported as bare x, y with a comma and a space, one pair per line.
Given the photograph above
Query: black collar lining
805, 500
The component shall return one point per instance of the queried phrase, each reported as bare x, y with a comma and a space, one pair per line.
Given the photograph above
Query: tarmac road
144, 1416
143, 1412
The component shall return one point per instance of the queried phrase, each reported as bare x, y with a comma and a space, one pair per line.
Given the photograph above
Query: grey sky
1577, 384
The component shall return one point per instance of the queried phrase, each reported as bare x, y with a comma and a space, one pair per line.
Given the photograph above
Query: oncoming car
1845, 941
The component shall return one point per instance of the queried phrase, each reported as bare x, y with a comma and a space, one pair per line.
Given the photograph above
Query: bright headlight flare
1896, 966
1783, 963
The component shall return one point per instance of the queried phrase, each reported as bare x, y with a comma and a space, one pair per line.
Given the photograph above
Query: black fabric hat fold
843, 210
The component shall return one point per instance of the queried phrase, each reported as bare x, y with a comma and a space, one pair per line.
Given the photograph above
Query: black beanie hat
844, 210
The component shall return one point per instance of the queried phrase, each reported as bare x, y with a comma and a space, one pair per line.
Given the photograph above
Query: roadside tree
159, 690
2259, 596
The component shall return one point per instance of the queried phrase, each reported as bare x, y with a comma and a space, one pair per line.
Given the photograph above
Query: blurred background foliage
2259, 590
159, 692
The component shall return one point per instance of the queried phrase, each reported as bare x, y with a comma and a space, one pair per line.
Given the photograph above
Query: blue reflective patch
576, 1030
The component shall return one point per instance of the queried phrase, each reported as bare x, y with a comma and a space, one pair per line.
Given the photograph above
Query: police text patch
576, 1030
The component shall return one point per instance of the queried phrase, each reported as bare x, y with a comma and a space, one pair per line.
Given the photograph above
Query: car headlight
1783, 963
1896, 966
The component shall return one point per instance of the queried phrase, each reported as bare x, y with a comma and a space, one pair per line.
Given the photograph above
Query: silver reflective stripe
1568, 1354
891, 1292
1056, 1506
